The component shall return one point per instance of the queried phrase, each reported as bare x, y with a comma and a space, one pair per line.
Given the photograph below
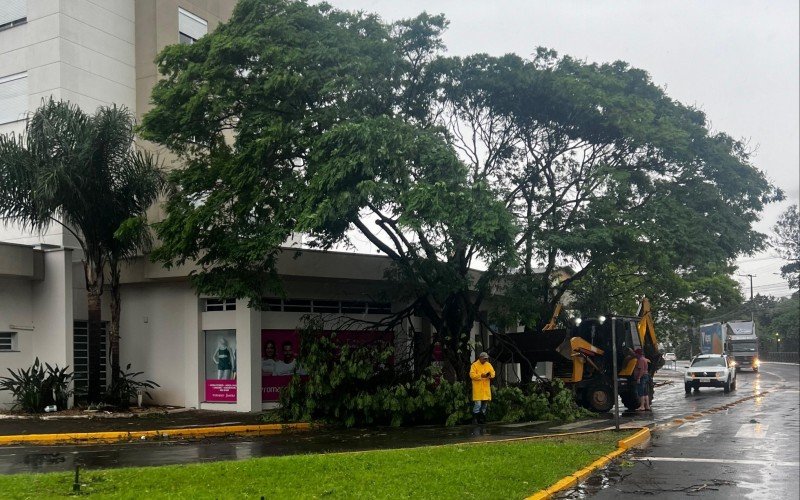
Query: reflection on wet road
745, 450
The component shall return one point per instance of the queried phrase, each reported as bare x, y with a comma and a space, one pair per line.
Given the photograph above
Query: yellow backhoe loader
582, 355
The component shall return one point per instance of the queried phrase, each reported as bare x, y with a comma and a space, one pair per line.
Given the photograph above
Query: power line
759, 259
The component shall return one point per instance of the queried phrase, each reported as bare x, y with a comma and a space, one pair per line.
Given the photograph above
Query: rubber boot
474, 419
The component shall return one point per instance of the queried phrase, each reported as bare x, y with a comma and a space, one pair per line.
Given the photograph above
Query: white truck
742, 344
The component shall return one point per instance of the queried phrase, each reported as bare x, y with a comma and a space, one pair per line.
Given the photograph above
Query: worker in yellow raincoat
481, 372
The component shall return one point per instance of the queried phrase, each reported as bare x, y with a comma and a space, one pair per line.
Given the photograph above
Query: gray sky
736, 60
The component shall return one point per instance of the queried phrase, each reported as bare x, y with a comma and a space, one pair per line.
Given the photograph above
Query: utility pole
752, 306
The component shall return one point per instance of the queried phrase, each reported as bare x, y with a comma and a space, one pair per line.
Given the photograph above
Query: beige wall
159, 334
157, 27
39, 309
16, 310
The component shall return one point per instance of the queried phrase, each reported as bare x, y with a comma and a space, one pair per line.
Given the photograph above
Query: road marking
574, 425
716, 461
692, 429
757, 431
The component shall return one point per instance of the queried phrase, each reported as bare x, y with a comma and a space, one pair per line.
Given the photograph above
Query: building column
52, 310
248, 358
194, 349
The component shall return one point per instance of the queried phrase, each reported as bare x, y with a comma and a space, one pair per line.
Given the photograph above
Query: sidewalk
189, 418
195, 424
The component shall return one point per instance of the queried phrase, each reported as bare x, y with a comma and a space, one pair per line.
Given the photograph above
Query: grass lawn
492, 470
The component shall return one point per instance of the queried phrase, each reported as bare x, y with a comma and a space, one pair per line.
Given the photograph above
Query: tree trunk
95, 338
422, 348
113, 331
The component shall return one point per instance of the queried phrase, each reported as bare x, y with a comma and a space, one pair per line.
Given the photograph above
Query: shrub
126, 388
539, 400
357, 385
39, 386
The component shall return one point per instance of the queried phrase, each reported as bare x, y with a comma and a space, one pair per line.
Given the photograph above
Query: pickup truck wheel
599, 398
733, 384
727, 387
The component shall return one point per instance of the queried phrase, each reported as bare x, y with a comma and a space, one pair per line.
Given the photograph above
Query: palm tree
68, 168
134, 190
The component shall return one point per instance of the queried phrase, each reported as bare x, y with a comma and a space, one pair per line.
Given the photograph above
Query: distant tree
76, 170
778, 316
787, 242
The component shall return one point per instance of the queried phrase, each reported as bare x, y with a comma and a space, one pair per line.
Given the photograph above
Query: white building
100, 52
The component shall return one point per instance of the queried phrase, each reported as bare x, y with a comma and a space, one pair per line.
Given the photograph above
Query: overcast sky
736, 60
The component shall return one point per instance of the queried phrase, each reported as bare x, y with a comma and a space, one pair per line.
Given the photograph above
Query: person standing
481, 372
642, 375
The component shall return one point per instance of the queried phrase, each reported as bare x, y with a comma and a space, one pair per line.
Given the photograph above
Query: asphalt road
749, 450
766, 445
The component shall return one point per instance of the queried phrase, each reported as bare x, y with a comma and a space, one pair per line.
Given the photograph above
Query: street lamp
779, 342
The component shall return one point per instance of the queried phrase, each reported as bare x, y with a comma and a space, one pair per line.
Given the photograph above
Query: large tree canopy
604, 174
297, 117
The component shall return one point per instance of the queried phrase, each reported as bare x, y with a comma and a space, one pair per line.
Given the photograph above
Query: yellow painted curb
623, 445
640, 437
114, 437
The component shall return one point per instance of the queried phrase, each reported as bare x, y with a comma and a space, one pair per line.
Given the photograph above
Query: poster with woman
220, 366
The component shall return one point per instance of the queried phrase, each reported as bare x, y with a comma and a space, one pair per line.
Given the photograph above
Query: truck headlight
756, 362
720, 374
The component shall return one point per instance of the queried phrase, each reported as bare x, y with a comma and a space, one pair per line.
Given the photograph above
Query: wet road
748, 450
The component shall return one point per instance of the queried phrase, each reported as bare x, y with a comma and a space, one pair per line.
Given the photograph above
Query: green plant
358, 385
38, 386
125, 388
540, 400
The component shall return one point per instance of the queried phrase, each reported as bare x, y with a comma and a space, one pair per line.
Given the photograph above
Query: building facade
204, 352
90, 53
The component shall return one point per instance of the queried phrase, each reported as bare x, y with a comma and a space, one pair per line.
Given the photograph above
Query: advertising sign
220, 366
279, 351
712, 339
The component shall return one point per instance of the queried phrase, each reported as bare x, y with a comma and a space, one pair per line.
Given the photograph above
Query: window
297, 305
12, 13
13, 97
8, 341
322, 306
220, 305
190, 27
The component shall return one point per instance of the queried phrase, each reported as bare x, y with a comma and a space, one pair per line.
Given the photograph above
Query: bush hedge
358, 385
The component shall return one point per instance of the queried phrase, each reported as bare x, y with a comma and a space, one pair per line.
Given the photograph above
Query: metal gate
80, 357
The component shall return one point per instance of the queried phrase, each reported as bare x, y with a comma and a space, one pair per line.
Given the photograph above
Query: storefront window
220, 360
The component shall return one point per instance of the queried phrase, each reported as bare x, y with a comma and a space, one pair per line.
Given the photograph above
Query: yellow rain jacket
481, 391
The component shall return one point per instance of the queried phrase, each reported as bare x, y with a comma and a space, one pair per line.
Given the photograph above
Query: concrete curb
640, 437
116, 437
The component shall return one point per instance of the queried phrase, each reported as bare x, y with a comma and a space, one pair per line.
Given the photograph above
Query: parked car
711, 370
